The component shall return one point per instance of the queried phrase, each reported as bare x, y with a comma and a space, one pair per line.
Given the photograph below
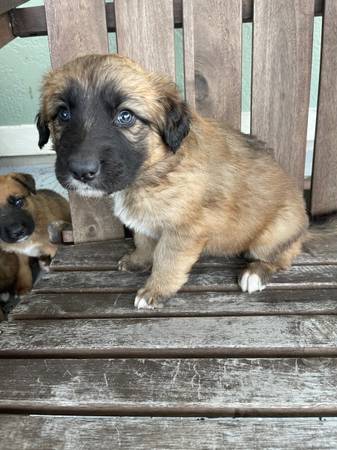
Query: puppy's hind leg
258, 273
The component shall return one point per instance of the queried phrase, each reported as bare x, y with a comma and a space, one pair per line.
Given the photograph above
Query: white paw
251, 282
141, 303
5, 296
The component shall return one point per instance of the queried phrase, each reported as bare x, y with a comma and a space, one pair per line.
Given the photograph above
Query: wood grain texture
77, 28
109, 305
145, 33
78, 22
6, 5
324, 180
6, 34
224, 387
216, 59
282, 47
169, 433
32, 21
189, 44
93, 219
200, 279
27, 22
105, 256
172, 337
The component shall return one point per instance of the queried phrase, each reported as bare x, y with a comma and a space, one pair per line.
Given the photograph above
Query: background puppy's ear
177, 124
43, 130
26, 180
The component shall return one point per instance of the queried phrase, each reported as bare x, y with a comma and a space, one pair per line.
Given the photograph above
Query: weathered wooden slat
105, 256
282, 47
223, 387
324, 180
171, 337
75, 29
189, 57
106, 305
200, 279
27, 22
6, 5
93, 219
216, 59
6, 34
32, 21
145, 33
79, 22
169, 433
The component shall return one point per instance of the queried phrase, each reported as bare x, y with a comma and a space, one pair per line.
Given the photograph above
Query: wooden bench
175, 377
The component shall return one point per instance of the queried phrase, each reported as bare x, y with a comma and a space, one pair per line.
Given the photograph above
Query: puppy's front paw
127, 264
146, 299
250, 282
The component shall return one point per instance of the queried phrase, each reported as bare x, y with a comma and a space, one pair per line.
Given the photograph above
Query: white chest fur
33, 250
140, 222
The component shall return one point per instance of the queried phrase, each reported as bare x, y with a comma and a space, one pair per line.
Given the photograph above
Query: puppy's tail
321, 230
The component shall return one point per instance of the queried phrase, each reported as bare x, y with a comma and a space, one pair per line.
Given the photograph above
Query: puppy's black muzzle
15, 225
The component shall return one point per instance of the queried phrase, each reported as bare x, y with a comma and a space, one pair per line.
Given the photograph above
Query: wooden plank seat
166, 433
268, 359
80, 366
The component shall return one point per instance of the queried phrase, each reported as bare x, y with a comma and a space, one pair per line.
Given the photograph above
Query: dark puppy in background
185, 184
25, 215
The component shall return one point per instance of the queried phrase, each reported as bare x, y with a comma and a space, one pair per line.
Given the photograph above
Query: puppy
15, 273
186, 185
24, 218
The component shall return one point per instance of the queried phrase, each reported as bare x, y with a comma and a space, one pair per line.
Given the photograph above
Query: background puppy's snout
84, 170
15, 224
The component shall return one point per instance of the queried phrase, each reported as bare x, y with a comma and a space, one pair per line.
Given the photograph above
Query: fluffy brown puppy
185, 184
25, 215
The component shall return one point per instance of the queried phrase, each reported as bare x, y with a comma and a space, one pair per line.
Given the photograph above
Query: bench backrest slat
212, 29
213, 57
324, 180
76, 28
282, 46
145, 33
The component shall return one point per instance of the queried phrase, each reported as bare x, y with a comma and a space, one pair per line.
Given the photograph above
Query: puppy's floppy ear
43, 130
176, 124
26, 180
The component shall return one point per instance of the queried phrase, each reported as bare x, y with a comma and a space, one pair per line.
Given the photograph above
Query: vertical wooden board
145, 33
282, 46
212, 34
6, 34
324, 180
93, 219
189, 66
75, 28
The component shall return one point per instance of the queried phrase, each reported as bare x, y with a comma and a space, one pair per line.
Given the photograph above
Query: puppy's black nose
84, 170
16, 231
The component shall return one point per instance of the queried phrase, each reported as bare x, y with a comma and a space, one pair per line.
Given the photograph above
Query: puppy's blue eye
18, 202
125, 119
64, 114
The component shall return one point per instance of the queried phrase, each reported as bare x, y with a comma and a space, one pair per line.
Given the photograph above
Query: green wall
24, 61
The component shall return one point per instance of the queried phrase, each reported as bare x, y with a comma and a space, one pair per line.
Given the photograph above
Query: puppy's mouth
82, 189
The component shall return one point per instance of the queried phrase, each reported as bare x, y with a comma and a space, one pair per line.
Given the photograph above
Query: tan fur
221, 193
15, 273
45, 207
